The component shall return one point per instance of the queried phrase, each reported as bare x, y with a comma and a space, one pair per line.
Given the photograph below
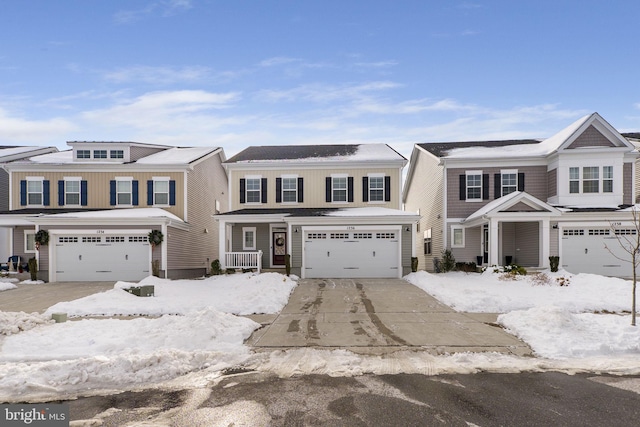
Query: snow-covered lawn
560, 315
194, 332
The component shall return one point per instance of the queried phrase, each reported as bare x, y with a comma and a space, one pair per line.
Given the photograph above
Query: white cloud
278, 60
158, 75
25, 131
324, 93
164, 8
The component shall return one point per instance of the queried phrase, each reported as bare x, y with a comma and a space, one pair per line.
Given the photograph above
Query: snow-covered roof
317, 153
9, 153
119, 213
177, 156
369, 212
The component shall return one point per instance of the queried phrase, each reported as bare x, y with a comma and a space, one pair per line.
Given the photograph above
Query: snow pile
6, 285
14, 322
558, 334
32, 282
491, 292
240, 294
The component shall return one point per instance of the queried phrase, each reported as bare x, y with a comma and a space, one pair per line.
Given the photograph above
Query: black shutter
327, 190
463, 187
243, 186
83, 193
497, 185
23, 192
172, 192
278, 190
112, 193
387, 188
149, 193
45, 192
134, 192
350, 189
60, 193
520, 181
300, 190
263, 190
365, 188
485, 186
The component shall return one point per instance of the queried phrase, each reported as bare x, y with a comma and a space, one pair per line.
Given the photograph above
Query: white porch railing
243, 260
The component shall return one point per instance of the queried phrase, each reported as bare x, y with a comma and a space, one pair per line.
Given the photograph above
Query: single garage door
361, 254
101, 258
583, 251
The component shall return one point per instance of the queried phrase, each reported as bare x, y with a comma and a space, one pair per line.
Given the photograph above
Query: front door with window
485, 244
279, 247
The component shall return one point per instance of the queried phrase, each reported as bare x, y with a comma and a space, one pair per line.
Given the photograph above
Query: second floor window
607, 179
34, 192
474, 186
339, 189
253, 190
123, 192
83, 154
289, 189
590, 179
99, 154
509, 183
574, 180
161, 192
72, 192
376, 188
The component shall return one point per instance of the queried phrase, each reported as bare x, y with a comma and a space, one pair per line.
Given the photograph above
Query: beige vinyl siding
426, 195
296, 251
535, 184
98, 188
406, 248
197, 248
527, 239
314, 187
627, 183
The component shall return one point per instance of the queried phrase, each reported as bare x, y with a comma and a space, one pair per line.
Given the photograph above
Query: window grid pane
99, 154
123, 190
509, 183
339, 189
253, 190
376, 189
289, 189
474, 187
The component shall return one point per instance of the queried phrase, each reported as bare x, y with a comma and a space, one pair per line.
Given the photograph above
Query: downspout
164, 250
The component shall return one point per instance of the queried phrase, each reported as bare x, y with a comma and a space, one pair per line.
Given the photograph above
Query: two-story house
11, 154
521, 201
99, 201
335, 209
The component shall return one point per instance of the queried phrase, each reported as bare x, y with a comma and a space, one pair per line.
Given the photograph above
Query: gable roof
529, 147
504, 203
316, 153
10, 153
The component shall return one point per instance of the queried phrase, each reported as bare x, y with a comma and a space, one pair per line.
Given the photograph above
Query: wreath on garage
155, 238
41, 238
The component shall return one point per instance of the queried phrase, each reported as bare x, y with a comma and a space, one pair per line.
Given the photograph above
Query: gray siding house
521, 201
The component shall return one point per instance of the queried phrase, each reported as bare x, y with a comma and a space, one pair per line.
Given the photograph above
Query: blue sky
239, 73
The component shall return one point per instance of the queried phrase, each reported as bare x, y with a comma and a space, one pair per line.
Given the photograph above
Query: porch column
222, 243
493, 242
545, 241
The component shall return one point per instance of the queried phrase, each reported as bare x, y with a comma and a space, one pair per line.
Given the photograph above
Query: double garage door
584, 250
352, 254
101, 257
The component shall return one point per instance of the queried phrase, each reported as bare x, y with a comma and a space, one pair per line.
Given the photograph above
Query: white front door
101, 258
352, 254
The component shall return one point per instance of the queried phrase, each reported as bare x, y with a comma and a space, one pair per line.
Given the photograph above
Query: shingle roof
440, 149
296, 212
308, 153
634, 135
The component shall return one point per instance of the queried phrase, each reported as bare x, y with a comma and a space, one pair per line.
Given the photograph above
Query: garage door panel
101, 258
351, 255
595, 251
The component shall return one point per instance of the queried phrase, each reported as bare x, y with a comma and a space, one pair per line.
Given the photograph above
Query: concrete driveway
376, 316
37, 298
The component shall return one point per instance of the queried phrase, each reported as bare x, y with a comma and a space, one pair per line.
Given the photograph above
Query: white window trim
77, 179
453, 228
161, 179
376, 175
35, 178
124, 178
246, 230
246, 195
282, 189
346, 196
466, 189
29, 233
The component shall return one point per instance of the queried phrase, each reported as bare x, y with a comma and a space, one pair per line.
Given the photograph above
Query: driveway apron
368, 314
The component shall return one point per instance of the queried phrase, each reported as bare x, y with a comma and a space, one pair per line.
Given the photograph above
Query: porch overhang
514, 207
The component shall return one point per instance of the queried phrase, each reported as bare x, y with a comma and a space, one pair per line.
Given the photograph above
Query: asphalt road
253, 399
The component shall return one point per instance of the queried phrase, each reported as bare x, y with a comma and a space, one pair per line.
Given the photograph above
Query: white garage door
583, 251
101, 258
361, 254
